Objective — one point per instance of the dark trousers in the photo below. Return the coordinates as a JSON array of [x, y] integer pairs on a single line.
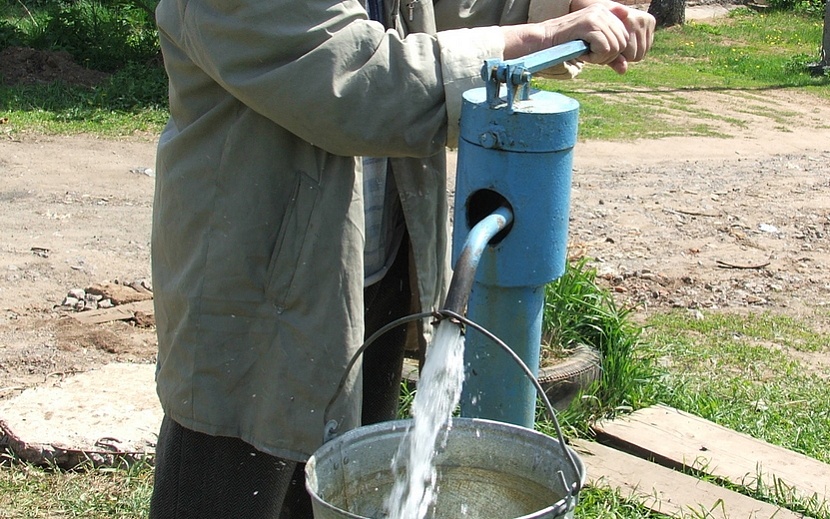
[[200, 476]]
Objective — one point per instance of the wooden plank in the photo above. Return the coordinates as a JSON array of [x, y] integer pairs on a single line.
[[667, 491], [677, 439], [116, 313]]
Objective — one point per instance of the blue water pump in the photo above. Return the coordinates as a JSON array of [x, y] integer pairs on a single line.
[[515, 159]]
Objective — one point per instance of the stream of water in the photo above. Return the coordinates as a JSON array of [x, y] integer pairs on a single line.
[[439, 390]]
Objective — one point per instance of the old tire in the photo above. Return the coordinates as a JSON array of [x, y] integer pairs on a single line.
[[564, 380], [561, 381]]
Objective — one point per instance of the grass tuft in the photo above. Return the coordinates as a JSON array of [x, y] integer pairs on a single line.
[[578, 311], [32, 492], [598, 502]]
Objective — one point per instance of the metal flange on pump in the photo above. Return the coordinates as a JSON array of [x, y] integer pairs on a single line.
[[514, 157]]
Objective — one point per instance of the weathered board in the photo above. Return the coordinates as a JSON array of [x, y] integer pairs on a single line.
[[668, 491], [677, 439], [116, 313]]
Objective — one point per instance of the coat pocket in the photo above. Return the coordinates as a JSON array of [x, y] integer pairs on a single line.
[[292, 237]]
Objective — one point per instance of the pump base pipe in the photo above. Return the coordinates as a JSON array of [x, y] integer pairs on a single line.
[[496, 387]]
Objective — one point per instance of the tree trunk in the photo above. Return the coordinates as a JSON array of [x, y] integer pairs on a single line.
[[668, 12], [825, 41], [823, 66]]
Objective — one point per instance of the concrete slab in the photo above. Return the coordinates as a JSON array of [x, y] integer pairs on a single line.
[[105, 416]]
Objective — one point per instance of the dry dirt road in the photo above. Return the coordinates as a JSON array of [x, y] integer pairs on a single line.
[[739, 223]]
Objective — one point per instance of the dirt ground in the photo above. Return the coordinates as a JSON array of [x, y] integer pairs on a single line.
[[729, 223], [714, 223], [72, 214], [736, 223]]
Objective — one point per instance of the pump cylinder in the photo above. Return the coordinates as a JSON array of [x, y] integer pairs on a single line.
[[520, 157]]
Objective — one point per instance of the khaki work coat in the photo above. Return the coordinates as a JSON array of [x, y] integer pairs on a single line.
[[257, 247]]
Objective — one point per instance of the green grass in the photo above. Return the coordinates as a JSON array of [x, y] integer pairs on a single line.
[[133, 100], [94, 493], [576, 312], [117, 37], [750, 373], [753, 373], [746, 51], [604, 503]]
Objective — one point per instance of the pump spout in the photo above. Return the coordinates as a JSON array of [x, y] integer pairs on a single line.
[[465, 267]]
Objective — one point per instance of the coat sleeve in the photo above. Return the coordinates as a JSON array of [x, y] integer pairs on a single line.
[[451, 14], [326, 73]]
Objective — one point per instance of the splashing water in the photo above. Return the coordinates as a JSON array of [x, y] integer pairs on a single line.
[[439, 390]]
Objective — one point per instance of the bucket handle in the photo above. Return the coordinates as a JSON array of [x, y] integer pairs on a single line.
[[330, 430]]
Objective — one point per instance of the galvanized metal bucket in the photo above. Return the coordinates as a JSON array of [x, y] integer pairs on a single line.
[[486, 470]]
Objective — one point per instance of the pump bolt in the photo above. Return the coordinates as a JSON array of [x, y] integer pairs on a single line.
[[494, 137], [488, 140]]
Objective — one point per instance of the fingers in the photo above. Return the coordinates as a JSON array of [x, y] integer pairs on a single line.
[[619, 65], [610, 36], [640, 26], [600, 27], [616, 35]]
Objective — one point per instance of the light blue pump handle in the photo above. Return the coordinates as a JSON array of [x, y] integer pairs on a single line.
[[550, 57]]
